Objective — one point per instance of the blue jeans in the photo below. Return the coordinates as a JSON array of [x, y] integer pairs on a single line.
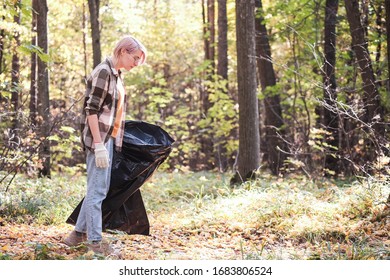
[[98, 183]]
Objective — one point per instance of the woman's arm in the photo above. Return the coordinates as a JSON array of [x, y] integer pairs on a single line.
[[94, 127]]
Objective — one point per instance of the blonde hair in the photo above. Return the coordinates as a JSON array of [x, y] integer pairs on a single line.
[[130, 44]]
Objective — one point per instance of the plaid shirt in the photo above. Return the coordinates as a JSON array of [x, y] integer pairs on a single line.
[[101, 98]]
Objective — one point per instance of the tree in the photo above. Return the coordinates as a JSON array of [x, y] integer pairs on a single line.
[[15, 100], [273, 119], [222, 70], [43, 105], [249, 139], [371, 98], [33, 66], [2, 35], [330, 119], [209, 50], [94, 6], [387, 7]]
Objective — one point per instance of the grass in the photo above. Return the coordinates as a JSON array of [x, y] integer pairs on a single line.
[[270, 218]]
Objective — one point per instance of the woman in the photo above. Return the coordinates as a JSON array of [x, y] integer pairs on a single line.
[[102, 128]]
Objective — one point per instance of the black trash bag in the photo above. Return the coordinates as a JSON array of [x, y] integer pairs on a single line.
[[145, 147]]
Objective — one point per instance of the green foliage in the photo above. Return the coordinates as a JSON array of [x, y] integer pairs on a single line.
[[221, 118], [64, 146], [168, 90], [5, 257], [41, 201]]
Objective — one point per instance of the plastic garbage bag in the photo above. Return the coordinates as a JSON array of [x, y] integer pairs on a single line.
[[145, 147]]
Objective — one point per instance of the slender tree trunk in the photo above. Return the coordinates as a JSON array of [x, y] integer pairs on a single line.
[[249, 139], [209, 48], [211, 22], [94, 6], [222, 68], [360, 47], [222, 73], [387, 7], [33, 75], [211, 57], [206, 44], [43, 104], [84, 19], [387, 11], [330, 119], [2, 35], [2, 48], [273, 111], [379, 29], [15, 100]]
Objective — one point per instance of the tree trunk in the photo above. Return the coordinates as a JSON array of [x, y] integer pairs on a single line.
[[273, 120], [387, 7], [94, 6], [15, 100], [222, 68], [43, 105], [371, 97], [209, 48], [2, 34], [211, 24], [2, 48], [330, 119], [33, 75], [249, 139], [84, 19], [222, 72]]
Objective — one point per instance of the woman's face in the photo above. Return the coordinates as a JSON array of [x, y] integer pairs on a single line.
[[130, 60]]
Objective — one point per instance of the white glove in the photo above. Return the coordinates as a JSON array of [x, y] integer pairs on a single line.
[[101, 155]]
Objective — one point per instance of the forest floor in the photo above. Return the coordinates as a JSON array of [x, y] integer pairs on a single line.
[[167, 243], [273, 220]]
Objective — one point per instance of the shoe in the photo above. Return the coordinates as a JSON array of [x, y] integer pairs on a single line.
[[102, 248], [75, 238]]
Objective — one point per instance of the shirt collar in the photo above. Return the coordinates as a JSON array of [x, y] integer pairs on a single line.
[[117, 73]]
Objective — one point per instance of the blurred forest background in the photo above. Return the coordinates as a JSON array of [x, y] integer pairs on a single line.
[[292, 93], [320, 67]]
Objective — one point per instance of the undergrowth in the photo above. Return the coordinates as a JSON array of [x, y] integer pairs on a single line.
[[275, 218]]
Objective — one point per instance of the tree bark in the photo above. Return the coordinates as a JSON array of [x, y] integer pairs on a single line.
[[273, 120], [43, 105], [15, 100], [222, 73], [222, 68], [94, 6], [249, 139], [387, 7], [206, 139], [371, 96], [2, 34], [33, 75], [211, 22], [84, 20], [330, 119]]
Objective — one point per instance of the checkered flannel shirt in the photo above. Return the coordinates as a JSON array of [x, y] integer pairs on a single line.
[[101, 98]]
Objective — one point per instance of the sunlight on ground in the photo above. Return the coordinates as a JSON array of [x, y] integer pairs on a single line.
[[199, 216]]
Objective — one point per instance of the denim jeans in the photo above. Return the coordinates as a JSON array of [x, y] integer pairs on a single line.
[[98, 183]]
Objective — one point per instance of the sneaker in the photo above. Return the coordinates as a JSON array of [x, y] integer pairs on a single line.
[[102, 248], [75, 238]]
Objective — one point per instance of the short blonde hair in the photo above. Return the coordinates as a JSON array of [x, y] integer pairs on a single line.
[[130, 44]]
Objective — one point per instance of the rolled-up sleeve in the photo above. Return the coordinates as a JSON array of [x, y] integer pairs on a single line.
[[98, 85]]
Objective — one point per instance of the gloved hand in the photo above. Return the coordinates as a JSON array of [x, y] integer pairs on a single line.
[[101, 155]]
